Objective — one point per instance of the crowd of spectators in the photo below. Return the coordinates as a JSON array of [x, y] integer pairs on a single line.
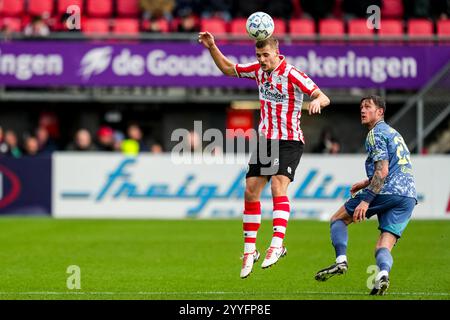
[[185, 15], [105, 139], [287, 9]]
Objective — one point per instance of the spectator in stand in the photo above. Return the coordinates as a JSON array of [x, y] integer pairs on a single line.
[[194, 142], [134, 143], [156, 148], [188, 22], [335, 147], [31, 146], [82, 141], [326, 141], [317, 9], [217, 9], [46, 144], [156, 9], [119, 137], [152, 25], [3, 145], [13, 145], [66, 25], [37, 28], [6, 29], [105, 139], [134, 132]]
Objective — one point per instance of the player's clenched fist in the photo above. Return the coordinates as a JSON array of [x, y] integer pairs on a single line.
[[206, 39]]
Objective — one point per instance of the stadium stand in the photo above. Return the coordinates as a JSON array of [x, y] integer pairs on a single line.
[[96, 26], [64, 4], [358, 27], [280, 27], [237, 26], [128, 8], [100, 8], [12, 8], [124, 26], [392, 9], [302, 27], [443, 30], [16, 14], [40, 7], [390, 28], [215, 25], [420, 28], [11, 24], [331, 27]]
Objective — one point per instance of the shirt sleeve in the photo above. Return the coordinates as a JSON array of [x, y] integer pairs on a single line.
[[248, 70], [303, 82], [378, 149]]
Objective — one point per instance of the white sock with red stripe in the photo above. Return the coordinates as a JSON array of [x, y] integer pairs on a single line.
[[281, 210], [252, 221]]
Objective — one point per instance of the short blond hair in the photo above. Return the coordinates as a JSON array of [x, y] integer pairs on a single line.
[[271, 41]]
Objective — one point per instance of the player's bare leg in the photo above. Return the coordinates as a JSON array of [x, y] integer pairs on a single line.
[[383, 256], [281, 211], [338, 229], [251, 222]]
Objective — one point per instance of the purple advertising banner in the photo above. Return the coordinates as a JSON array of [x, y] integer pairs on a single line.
[[40, 64], [25, 185]]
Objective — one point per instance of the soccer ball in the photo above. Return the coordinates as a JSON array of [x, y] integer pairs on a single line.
[[260, 26]]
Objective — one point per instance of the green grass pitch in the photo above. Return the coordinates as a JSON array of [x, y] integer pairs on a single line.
[[199, 259]]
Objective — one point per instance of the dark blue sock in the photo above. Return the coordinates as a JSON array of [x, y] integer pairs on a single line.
[[339, 236], [384, 259]]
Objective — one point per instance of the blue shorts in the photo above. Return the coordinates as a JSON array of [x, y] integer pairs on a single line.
[[394, 212]]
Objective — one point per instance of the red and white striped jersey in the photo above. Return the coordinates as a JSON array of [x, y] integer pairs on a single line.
[[281, 96]]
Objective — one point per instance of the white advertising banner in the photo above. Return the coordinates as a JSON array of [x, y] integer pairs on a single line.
[[100, 185]]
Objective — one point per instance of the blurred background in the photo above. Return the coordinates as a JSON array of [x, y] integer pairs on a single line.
[[119, 76]]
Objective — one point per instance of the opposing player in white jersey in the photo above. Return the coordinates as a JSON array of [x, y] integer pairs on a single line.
[[280, 146]]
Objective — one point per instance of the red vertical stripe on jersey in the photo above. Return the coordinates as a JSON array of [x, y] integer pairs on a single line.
[[269, 117], [279, 108], [291, 106], [263, 116]]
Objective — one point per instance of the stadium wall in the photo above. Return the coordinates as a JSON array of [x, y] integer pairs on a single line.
[[101, 185], [62, 63], [169, 187]]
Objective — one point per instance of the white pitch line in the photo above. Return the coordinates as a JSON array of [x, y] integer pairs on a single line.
[[223, 293]]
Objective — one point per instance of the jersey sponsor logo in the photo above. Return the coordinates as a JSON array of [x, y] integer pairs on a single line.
[[271, 94]]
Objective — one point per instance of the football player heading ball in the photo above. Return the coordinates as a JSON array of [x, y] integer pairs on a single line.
[[281, 88]]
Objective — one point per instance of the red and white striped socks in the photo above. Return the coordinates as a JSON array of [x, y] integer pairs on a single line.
[[252, 221], [281, 210]]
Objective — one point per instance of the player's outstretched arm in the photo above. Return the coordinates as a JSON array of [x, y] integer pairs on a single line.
[[222, 62], [319, 101]]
